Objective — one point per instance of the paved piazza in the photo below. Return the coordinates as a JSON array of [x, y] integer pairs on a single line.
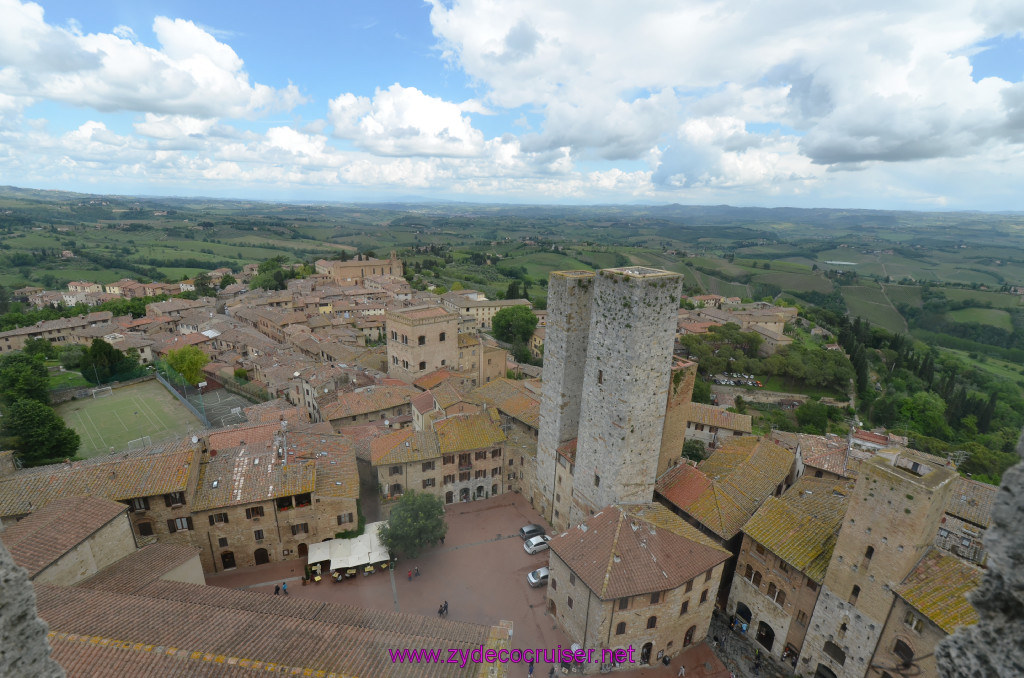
[[480, 570]]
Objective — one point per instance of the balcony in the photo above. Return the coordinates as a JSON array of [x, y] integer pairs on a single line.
[[466, 467]]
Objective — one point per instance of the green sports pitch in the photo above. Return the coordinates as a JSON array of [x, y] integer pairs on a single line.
[[125, 416]]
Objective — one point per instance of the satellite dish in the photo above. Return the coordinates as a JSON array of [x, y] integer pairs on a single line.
[[195, 439], [295, 374], [387, 422]]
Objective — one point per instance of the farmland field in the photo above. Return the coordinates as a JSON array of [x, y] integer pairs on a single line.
[[904, 294], [797, 282], [871, 304], [985, 316], [995, 299]]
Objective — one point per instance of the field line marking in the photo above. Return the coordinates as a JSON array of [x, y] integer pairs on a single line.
[[120, 421], [146, 410], [85, 429], [97, 429]]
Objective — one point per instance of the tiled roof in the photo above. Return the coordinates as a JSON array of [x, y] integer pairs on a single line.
[[709, 415], [203, 631], [801, 526], [467, 432], [568, 450], [938, 588], [446, 395], [513, 398], [140, 568], [404, 446], [370, 399], [432, 379], [335, 457], [424, 402], [38, 540], [273, 411], [241, 435], [421, 313], [248, 474], [725, 489], [631, 550], [123, 476], [972, 501]]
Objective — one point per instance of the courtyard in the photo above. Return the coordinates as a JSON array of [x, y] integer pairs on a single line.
[[480, 570]]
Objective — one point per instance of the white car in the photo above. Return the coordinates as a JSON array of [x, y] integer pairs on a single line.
[[538, 577], [536, 544]]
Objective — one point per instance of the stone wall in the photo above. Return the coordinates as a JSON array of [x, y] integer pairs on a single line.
[[565, 352], [107, 545], [625, 387], [673, 435], [993, 646], [922, 642], [24, 650]]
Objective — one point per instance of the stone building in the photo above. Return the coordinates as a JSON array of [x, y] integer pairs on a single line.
[[603, 393], [478, 308], [782, 561], [968, 515], [633, 577], [353, 271], [420, 340], [674, 433], [384, 402], [893, 515], [711, 425], [930, 604], [456, 458], [518, 403]]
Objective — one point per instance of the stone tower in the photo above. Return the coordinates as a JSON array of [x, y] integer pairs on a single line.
[[626, 382], [673, 435], [892, 519], [565, 352]]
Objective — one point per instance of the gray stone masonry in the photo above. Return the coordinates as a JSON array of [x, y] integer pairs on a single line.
[[24, 650], [565, 352], [625, 387]]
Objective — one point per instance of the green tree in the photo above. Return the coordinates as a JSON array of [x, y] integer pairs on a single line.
[[416, 521], [701, 392], [228, 279], [23, 377], [514, 324], [71, 356], [812, 417], [925, 413], [39, 347], [41, 436], [189, 362], [694, 449], [102, 361], [204, 286]]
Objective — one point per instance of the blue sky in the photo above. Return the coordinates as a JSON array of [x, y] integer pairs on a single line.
[[853, 104]]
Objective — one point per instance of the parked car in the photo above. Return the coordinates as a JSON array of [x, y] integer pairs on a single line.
[[532, 530], [536, 544], [538, 577]]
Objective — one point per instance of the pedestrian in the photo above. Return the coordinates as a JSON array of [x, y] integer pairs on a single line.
[[284, 587], [440, 610], [442, 540], [277, 590], [410, 575], [446, 607], [417, 568], [682, 671], [551, 673], [530, 671]]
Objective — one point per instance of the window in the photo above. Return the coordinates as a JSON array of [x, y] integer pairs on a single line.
[[301, 528], [703, 596], [652, 622], [422, 340], [423, 365], [449, 479], [904, 652], [495, 454], [428, 466], [783, 566], [554, 584], [620, 628], [449, 459], [623, 603], [911, 620], [685, 608], [772, 590], [756, 579], [222, 542], [345, 518], [464, 476], [801, 618], [395, 471], [597, 480], [175, 524], [600, 376], [572, 579], [140, 504], [854, 594], [394, 335], [441, 337], [689, 586], [812, 585], [655, 597], [869, 553], [482, 473], [688, 638], [781, 598], [835, 652], [481, 454], [428, 482], [759, 548], [216, 518], [174, 498], [145, 529], [253, 512], [569, 599], [707, 575]]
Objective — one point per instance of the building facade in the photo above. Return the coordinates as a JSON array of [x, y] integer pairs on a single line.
[[420, 340]]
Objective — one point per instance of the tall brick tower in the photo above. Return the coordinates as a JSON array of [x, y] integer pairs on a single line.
[[626, 382], [565, 353], [892, 519]]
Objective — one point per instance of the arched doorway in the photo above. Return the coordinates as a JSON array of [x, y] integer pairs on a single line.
[[479, 491], [824, 672], [494, 490], [645, 653], [552, 608], [396, 489], [228, 559], [688, 638], [765, 636], [261, 556], [743, 612], [449, 497], [303, 550], [464, 494]]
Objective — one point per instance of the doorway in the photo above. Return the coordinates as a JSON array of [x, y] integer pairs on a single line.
[[303, 550], [261, 556], [228, 559], [645, 653]]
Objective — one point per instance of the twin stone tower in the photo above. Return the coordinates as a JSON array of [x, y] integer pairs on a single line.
[[609, 378]]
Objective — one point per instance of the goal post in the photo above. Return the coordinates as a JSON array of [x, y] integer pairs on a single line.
[[102, 392], [139, 443]]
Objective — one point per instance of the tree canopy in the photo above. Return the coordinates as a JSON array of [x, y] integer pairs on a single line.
[[189, 362], [22, 376], [41, 436], [514, 324], [102, 362], [416, 521]]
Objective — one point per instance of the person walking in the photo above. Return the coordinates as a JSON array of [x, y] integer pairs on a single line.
[[442, 540], [445, 608], [529, 672], [284, 588], [410, 575], [440, 610], [277, 589], [682, 671], [417, 568]]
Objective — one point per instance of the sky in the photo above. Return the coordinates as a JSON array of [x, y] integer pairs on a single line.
[[857, 104]]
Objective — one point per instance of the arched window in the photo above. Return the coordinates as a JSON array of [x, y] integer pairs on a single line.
[[749, 574], [854, 594], [771, 590], [904, 652], [688, 638], [652, 622], [620, 628], [781, 598], [869, 553], [756, 581]]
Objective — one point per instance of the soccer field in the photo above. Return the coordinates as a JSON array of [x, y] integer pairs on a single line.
[[131, 412]]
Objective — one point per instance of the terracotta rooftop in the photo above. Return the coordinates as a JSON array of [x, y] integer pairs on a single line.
[[248, 474], [938, 588], [801, 526], [513, 398], [422, 313], [709, 415], [467, 432], [240, 435], [568, 450], [404, 446], [725, 489], [368, 400], [424, 402], [335, 462], [41, 538], [972, 501], [432, 379], [198, 631], [140, 568], [631, 550]]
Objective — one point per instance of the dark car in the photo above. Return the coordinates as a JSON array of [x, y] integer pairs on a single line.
[[527, 531]]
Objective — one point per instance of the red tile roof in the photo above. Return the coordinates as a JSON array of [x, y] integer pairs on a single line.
[[141, 568]]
